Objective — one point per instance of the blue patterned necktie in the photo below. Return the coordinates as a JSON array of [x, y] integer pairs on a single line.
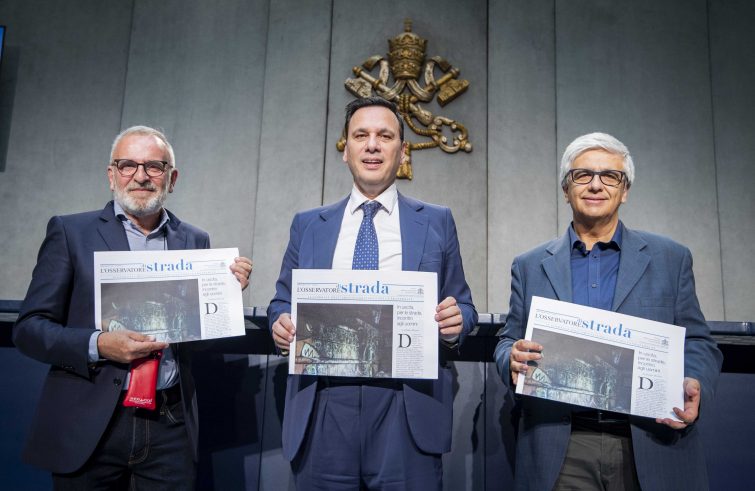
[[366, 249]]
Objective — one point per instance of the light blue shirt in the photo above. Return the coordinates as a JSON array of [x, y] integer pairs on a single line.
[[167, 375]]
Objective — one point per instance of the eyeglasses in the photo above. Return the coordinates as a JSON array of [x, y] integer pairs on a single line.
[[153, 168], [611, 178]]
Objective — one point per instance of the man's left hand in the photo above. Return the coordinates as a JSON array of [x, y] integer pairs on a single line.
[[691, 406], [448, 317], [241, 269]]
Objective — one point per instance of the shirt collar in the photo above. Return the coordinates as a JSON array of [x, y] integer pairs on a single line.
[[387, 199], [121, 215], [615, 240]]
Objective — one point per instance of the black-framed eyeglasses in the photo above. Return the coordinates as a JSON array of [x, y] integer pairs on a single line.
[[153, 168], [612, 178]]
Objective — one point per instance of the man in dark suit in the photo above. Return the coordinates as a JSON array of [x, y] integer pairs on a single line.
[[375, 434], [81, 432], [602, 263]]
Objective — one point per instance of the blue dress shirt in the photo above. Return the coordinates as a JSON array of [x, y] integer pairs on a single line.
[[594, 272]]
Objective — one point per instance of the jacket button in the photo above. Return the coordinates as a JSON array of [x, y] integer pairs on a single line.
[[117, 381], [566, 420]]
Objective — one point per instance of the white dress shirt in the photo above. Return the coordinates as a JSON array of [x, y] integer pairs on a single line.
[[387, 228]]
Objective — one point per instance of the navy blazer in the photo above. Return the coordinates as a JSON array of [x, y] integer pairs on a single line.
[[655, 281], [54, 325], [428, 243]]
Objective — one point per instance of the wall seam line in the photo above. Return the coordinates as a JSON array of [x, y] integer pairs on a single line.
[[715, 158], [256, 198], [327, 106], [128, 63]]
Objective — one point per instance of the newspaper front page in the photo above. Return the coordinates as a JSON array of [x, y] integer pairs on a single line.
[[175, 296], [378, 324], [604, 360]]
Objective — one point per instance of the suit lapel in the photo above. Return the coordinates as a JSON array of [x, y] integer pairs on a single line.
[[325, 235], [175, 235], [632, 265], [413, 232], [557, 268], [111, 230]]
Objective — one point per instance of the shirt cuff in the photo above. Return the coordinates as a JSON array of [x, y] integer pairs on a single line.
[[450, 339], [94, 353]]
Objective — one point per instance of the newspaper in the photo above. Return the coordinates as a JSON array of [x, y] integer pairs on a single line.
[[175, 296], [604, 360], [378, 324]]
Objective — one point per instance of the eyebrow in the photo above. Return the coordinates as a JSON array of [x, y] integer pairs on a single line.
[[379, 131]]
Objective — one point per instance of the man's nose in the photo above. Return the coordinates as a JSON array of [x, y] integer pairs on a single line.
[[141, 173], [596, 184], [373, 143]]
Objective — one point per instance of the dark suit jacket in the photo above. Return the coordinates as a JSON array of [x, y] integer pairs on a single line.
[[429, 243], [54, 326], [654, 282]]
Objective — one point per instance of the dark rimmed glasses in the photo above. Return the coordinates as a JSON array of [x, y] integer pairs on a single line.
[[153, 168], [612, 178]]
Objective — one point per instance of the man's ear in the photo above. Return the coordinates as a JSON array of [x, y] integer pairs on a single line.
[[173, 179], [111, 177]]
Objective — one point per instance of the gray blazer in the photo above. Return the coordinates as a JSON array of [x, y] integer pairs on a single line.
[[655, 281]]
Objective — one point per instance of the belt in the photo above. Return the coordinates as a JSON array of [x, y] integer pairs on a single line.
[[387, 383], [601, 421]]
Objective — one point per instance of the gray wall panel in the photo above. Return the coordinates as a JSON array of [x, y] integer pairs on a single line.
[[640, 72], [66, 110], [499, 432], [459, 180], [521, 136], [733, 79], [464, 466], [275, 472], [293, 131], [197, 70]]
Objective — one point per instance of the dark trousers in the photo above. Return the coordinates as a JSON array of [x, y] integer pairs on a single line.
[[600, 461], [140, 450], [359, 439]]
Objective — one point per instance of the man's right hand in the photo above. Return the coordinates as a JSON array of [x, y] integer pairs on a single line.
[[126, 346], [283, 332], [522, 351]]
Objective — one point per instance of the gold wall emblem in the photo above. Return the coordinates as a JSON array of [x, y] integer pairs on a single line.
[[404, 64]]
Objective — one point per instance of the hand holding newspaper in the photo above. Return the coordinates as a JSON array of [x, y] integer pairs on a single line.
[[361, 323], [175, 296], [604, 360]]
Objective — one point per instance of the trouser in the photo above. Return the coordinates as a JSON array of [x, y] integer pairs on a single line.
[[358, 439], [140, 450], [599, 457]]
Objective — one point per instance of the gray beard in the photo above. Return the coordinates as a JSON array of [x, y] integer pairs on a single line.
[[136, 208]]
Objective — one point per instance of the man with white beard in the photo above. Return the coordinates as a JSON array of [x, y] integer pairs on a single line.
[[82, 431]]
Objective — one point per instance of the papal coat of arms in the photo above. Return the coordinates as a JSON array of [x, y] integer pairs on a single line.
[[404, 64]]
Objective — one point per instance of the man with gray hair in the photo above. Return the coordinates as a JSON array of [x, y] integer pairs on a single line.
[[83, 432], [601, 263]]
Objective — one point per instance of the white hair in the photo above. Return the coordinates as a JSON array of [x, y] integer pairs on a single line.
[[145, 131], [595, 141]]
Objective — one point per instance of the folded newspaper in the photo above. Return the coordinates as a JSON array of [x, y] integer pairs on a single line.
[[175, 296], [604, 360], [378, 324]]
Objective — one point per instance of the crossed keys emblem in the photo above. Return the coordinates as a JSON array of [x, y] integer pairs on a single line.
[[405, 62]]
